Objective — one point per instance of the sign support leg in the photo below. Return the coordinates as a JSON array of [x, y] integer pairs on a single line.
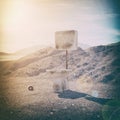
[[66, 59]]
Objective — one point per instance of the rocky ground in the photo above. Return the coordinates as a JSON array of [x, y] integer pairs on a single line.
[[93, 92]]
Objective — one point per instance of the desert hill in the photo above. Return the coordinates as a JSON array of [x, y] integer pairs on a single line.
[[94, 83], [101, 63]]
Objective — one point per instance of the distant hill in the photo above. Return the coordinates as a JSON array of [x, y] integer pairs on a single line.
[[3, 53], [5, 56], [20, 53], [84, 46]]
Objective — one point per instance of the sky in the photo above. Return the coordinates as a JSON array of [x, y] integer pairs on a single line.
[[26, 23]]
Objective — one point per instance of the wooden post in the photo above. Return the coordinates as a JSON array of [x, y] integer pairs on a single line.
[[66, 59]]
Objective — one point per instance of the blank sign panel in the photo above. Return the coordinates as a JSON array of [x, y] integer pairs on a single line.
[[66, 40]]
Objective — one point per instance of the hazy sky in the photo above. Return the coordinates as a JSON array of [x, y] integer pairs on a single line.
[[25, 23]]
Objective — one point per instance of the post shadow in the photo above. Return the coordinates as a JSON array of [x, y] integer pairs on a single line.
[[101, 101], [69, 94]]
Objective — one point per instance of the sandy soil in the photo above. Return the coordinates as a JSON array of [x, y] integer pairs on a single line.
[[82, 101]]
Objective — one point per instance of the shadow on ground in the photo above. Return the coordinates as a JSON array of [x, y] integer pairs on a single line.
[[37, 112], [69, 94]]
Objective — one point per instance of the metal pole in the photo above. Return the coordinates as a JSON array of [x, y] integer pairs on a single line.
[[66, 59]]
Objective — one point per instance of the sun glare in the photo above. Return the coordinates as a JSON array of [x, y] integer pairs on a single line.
[[20, 27], [31, 22]]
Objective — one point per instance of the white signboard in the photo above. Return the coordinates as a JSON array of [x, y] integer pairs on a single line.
[[66, 40]]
